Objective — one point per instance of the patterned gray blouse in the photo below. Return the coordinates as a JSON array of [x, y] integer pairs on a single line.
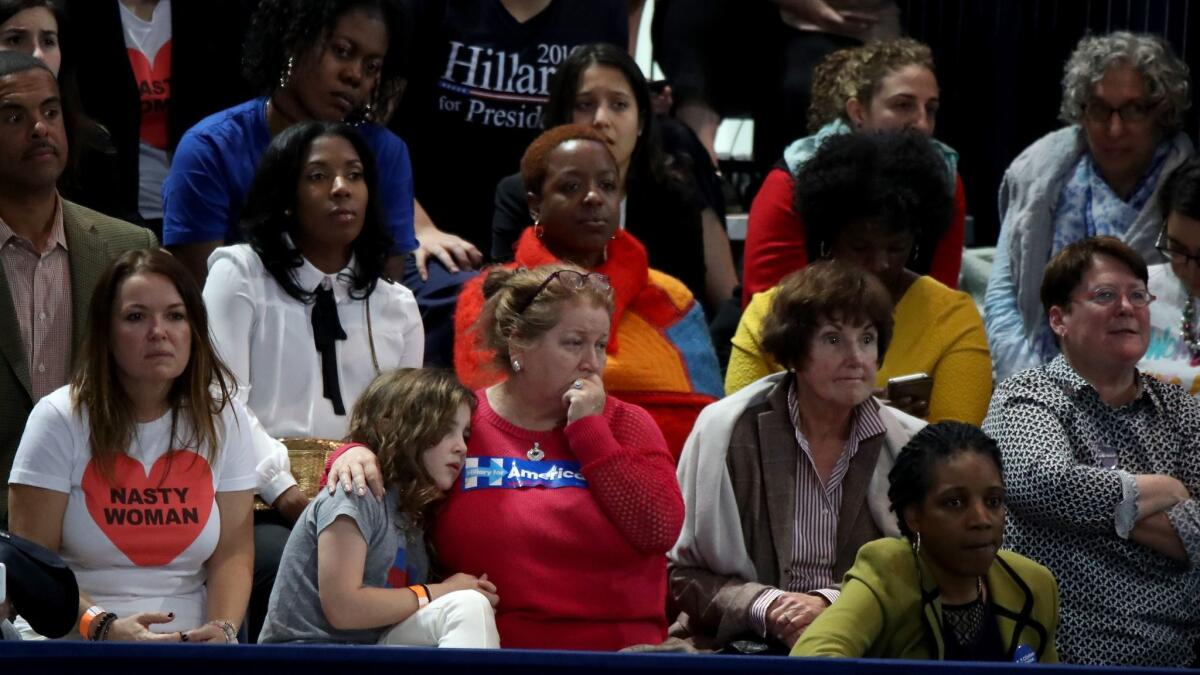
[[1068, 461]]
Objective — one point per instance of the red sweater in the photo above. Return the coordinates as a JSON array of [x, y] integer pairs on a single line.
[[775, 245], [575, 567]]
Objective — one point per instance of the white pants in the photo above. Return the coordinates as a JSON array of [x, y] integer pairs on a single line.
[[463, 619]]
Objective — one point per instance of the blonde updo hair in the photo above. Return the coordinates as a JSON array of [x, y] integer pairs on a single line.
[[512, 315], [858, 72]]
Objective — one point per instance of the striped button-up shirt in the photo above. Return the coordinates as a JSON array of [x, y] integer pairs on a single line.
[[818, 505], [40, 285]]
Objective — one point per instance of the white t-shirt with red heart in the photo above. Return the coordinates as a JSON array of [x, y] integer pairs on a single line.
[[140, 543]]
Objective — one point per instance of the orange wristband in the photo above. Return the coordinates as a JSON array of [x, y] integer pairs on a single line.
[[422, 593], [85, 621]]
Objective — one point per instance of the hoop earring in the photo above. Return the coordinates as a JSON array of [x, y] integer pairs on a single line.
[[538, 230], [916, 545], [915, 252], [824, 251], [286, 75]]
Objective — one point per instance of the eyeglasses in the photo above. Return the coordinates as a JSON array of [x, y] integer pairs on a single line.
[[572, 281], [1105, 297], [1174, 255], [1134, 111]]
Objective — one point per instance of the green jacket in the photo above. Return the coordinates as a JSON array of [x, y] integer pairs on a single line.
[[93, 239], [889, 608]]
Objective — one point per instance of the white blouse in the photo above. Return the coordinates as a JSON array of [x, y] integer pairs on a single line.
[[265, 337]]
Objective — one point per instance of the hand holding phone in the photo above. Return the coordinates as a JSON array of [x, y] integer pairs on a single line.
[[910, 393]]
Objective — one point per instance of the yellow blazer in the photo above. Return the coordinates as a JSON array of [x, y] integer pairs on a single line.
[[889, 608]]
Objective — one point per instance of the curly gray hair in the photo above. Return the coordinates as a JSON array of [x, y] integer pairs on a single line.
[[1165, 75]]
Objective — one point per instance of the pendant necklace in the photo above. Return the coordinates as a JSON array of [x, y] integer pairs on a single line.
[[1188, 331], [535, 454]]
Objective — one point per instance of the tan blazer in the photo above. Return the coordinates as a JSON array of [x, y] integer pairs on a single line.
[[762, 468], [93, 239]]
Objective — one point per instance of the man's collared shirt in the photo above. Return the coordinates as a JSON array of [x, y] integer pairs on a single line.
[[40, 285]]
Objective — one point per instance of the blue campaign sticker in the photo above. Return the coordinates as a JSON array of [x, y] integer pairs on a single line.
[[1024, 654], [513, 473]]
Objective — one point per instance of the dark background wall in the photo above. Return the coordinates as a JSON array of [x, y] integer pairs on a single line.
[[1000, 65]]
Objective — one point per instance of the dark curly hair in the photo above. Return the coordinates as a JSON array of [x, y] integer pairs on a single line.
[[912, 475], [400, 415], [270, 209], [895, 179], [1181, 193], [283, 28]]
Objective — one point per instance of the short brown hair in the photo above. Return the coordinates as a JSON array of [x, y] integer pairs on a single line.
[[400, 415], [196, 397], [825, 290], [1065, 271], [533, 162], [514, 310]]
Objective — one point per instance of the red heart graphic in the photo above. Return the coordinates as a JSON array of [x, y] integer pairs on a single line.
[[154, 88], [154, 518]]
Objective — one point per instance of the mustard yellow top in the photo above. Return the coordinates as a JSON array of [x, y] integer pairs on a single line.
[[938, 331]]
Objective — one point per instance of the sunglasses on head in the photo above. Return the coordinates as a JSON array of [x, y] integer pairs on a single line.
[[572, 281]]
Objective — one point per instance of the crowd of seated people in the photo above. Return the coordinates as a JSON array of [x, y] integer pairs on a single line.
[[525, 437]]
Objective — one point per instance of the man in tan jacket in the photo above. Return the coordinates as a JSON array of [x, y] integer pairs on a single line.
[[52, 251]]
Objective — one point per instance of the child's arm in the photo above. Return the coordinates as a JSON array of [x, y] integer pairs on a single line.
[[348, 605]]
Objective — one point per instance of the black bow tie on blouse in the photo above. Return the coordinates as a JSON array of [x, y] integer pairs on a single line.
[[326, 329]]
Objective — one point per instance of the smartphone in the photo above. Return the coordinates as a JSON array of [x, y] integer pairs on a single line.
[[916, 385]]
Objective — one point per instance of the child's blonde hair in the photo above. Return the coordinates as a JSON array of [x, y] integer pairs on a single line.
[[402, 414]]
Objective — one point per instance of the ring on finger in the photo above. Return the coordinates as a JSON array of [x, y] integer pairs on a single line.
[[577, 384]]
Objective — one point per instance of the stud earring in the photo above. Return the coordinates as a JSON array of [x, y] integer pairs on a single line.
[[516, 366]]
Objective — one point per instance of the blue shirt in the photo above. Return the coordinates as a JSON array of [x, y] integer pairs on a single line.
[[214, 167]]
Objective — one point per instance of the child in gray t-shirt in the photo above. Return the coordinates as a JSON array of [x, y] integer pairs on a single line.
[[355, 569]]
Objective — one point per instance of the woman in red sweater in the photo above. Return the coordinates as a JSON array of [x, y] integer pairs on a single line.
[[568, 497], [883, 86]]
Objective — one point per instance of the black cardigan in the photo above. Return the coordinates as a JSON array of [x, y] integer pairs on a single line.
[[206, 55]]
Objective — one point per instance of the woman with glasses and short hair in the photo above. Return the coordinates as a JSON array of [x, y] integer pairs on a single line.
[[1124, 98], [1174, 353], [1102, 463], [660, 356]]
